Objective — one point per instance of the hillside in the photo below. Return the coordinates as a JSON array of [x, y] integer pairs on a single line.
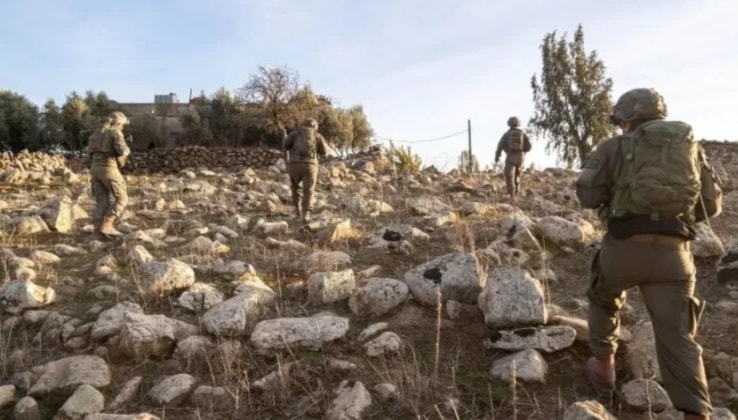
[[411, 296]]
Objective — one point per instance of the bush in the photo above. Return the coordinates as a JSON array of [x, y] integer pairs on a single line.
[[403, 159]]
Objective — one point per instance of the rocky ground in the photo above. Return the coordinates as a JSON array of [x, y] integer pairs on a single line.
[[413, 296]]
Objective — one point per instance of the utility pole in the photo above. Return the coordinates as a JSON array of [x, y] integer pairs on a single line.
[[468, 131]]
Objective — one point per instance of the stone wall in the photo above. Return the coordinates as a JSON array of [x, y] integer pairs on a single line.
[[723, 156], [173, 160]]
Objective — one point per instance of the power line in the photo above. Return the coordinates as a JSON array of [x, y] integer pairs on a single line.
[[424, 140]]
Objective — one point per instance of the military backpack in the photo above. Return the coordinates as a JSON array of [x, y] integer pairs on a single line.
[[304, 146], [660, 172], [516, 141]]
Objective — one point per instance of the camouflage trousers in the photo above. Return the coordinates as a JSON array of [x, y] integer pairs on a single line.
[[110, 192], [663, 269], [512, 178], [303, 177]]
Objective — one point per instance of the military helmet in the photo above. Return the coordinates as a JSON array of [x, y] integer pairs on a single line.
[[310, 122], [639, 104], [513, 122], [118, 117]]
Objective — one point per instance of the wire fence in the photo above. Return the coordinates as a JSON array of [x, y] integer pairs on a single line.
[[444, 160], [431, 140]]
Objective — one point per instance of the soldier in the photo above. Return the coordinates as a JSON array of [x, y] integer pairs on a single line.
[[651, 185], [515, 143], [108, 151], [302, 148]]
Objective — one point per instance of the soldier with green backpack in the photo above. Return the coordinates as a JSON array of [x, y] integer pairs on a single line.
[[651, 184], [515, 143], [302, 148]]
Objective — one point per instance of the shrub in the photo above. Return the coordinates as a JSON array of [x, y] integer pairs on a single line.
[[403, 159]]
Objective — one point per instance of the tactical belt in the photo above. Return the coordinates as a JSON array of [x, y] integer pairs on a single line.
[[661, 240]]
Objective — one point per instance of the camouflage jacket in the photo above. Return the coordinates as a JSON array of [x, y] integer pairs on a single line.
[[107, 147]]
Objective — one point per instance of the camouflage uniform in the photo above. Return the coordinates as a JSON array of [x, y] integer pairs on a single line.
[[514, 159], [303, 168], [651, 254], [108, 151]]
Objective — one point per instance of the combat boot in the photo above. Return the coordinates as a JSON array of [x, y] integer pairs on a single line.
[[96, 234], [107, 228], [306, 217], [600, 372]]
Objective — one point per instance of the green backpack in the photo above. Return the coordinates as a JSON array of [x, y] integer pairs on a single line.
[[659, 173], [304, 146], [516, 141]]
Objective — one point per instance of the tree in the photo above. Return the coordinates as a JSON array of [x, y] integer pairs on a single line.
[[98, 103], [147, 131], [51, 124], [274, 89], [18, 122], [346, 130], [196, 124], [336, 127], [226, 119], [220, 120], [571, 98], [463, 165], [362, 130], [77, 121]]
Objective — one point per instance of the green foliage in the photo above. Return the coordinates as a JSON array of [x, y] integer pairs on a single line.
[[51, 126], [98, 103], [261, 112], [18, 122], [403, 159], [346, 130], [336, 126], [572, 98], [77, 121], [463, 165], [197, 126], [147, 131], [361, 129], [81, 115]]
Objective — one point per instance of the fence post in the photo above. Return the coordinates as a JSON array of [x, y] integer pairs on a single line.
[[471, 159]]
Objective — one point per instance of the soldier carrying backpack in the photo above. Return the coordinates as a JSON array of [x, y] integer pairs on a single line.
[[515, 143], [302, 147], [107, 151], [651, 184]]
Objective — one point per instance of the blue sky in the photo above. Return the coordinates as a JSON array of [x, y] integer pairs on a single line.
[[420, 68]]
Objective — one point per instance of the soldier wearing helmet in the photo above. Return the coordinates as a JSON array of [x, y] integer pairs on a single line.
[[647, 245], [515, 143], [302, 148], [108, 152]]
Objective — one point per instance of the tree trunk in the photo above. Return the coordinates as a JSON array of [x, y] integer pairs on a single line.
[[583, 151]]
